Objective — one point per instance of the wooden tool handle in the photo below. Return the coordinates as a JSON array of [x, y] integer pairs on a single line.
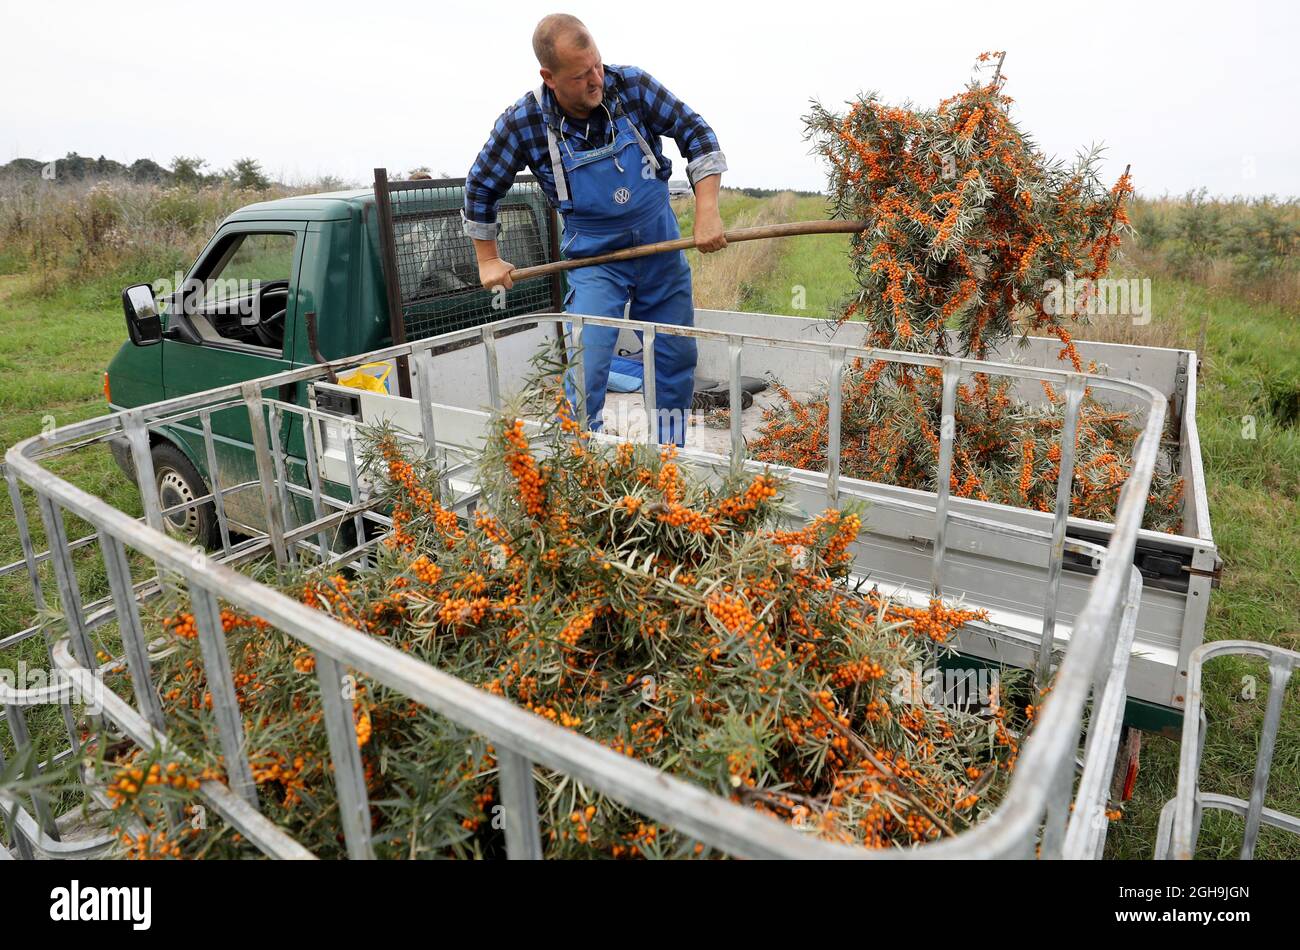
[[644, 250]]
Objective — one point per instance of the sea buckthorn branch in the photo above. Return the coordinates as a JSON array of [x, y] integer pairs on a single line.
[[968, 224], [686, 624]]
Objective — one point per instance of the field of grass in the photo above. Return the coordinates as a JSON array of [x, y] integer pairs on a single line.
[[52, 362], [57, 336]]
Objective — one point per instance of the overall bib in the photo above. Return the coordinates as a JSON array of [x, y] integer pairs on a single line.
[[608, 202]]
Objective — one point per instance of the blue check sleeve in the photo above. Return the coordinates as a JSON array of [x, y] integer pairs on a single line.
[[665, 114], [491, 175]]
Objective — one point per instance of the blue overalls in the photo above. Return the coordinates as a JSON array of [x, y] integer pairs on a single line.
[[610, 198]]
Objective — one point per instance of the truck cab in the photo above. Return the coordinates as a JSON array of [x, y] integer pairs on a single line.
[[289, 282]]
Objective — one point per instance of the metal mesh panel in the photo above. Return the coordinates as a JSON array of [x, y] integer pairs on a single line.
[[437, 272]]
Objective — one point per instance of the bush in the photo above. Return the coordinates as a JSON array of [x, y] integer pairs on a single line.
[[76, 229], [1244, 245]]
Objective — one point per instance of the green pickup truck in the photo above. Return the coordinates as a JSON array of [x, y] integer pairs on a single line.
[[282, 284]]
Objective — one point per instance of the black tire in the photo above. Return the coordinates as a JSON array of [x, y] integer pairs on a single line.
[[178, 481]]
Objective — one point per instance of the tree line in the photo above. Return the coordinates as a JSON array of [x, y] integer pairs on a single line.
[[184, 170]]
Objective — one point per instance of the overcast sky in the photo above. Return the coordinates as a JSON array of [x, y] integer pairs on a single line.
[[1190, 93]]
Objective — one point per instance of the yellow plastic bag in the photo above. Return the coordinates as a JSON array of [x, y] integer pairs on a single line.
[[372, 377]]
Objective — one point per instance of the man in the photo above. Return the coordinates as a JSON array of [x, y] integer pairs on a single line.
[[591, 135]]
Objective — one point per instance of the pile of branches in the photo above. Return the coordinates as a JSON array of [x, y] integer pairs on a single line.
[[1004, 450], [971, 230], [607, 590]]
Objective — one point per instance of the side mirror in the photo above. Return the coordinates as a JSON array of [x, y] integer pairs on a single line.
[[143, 324]]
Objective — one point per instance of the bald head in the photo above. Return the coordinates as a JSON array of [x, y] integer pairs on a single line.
[[559, 31]]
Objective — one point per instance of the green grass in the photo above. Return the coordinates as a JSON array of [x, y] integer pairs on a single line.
[[1254, 493], [812, 277], [52, 359]]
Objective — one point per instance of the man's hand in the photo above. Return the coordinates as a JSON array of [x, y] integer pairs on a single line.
[[709, 235], [496, 273]]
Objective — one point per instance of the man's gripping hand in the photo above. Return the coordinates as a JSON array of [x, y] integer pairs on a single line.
[[708, 232], [496, 273]]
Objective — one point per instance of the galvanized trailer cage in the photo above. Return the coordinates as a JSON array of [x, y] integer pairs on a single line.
[[1046, 811], [1180, 819]]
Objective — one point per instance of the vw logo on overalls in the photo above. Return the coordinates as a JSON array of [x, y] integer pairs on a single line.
[[622, 196]]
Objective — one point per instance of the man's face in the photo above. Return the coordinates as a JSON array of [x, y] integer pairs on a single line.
[[579, 80]]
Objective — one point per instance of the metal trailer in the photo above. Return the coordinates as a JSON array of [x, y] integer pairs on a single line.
[[1180, 819], [1086, 622], [998, 572]]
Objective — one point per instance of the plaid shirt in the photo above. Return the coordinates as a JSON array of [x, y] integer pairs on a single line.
[[519, 139]]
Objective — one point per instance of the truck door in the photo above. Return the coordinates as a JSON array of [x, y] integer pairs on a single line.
[[240, 315]]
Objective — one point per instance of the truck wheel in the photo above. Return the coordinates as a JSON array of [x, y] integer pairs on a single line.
[[178, 482]]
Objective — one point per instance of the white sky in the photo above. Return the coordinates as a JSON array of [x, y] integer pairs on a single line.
[[1190, 93]]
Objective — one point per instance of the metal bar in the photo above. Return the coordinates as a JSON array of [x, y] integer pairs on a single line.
[[128, 622], [392, 286], [422, 184], [214, 478], [309, 424], [96, 612], [553, 245], [423, 359], [1056, 555], [835, 380], [424, 371], [1058, 810], [23, 743], [25, 538], [1181, 820], [519, 798], [354, 485], [650, 390], [266, 476], [281, 478], [13, 833], [137, 434], [177, 407], [947, 433], [1279, 676], [734, 400], [1085, 837], [319, 525], [221, 686], [65, 574], [349, 773], [577, 368], [493, 376]]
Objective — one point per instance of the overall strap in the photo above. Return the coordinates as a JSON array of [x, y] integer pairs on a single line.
[[645, 148], [557, 166], [621, 110]]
